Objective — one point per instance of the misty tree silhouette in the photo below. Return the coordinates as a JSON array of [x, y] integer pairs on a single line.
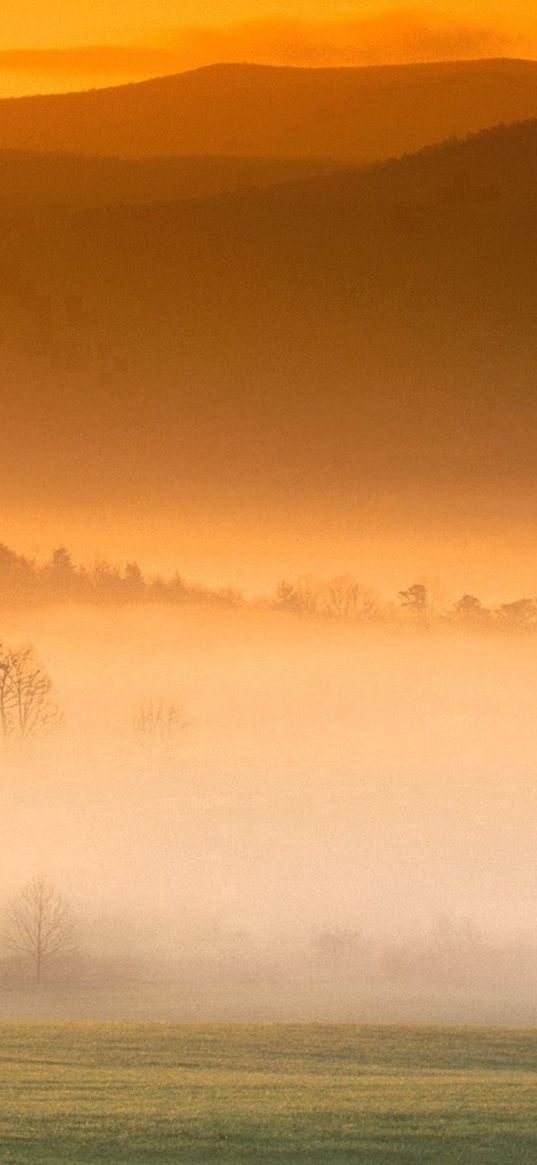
[[39, 927], [28, 707]]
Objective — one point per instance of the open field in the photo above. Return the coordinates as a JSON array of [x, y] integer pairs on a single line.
[[162, 1093]]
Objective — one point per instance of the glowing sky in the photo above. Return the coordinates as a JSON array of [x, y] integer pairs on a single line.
[[52, 44]]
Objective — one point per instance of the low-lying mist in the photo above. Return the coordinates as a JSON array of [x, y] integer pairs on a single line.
[[336, 807]]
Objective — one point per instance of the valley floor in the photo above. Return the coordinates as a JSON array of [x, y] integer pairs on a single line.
[[157, 1094]]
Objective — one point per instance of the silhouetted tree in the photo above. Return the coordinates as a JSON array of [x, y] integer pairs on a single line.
[[39, 927], [520, 614], [416, 600], [470, 610], [158, 722], [28, 708], [107, 582], [134, 581], [344, 598], [288, 598], [62, 564], [18, 578], [61, 580]]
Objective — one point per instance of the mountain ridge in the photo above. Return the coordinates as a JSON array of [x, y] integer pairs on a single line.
[[350, 115]]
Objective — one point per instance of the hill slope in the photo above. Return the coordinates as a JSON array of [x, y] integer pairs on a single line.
[[329, 338], [350, 115], [31, 179]]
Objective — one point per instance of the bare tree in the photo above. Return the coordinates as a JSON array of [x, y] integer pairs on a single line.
[[158, 722], [39, 927], [28, 707], [344, 598]]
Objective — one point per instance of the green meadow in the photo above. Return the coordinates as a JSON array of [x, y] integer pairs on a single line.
[[318, 1094]]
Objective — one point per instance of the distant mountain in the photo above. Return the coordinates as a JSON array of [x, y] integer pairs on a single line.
[[353, 115], [328, 338], [32, 179]]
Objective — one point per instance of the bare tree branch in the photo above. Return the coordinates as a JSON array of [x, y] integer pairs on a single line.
[[158, 722], [28, 708]]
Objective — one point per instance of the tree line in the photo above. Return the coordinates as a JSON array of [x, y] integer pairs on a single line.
[[23, 582], [344, 599], [39, 945], [26, 583]]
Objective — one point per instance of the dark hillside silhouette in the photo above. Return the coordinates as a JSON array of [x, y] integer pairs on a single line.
[[353, 115], [479, 168], [314, 340]]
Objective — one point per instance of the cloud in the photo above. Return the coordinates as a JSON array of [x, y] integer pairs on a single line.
[[389, 38], [99, 60], [410, 35]]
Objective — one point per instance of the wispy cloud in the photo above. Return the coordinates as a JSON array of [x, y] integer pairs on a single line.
[[408, 35], [394, 37], [101, 60]]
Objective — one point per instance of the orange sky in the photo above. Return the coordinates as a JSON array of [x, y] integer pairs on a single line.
[[47, 44]]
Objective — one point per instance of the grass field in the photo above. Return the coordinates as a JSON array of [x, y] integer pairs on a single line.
[[163, 1093]]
